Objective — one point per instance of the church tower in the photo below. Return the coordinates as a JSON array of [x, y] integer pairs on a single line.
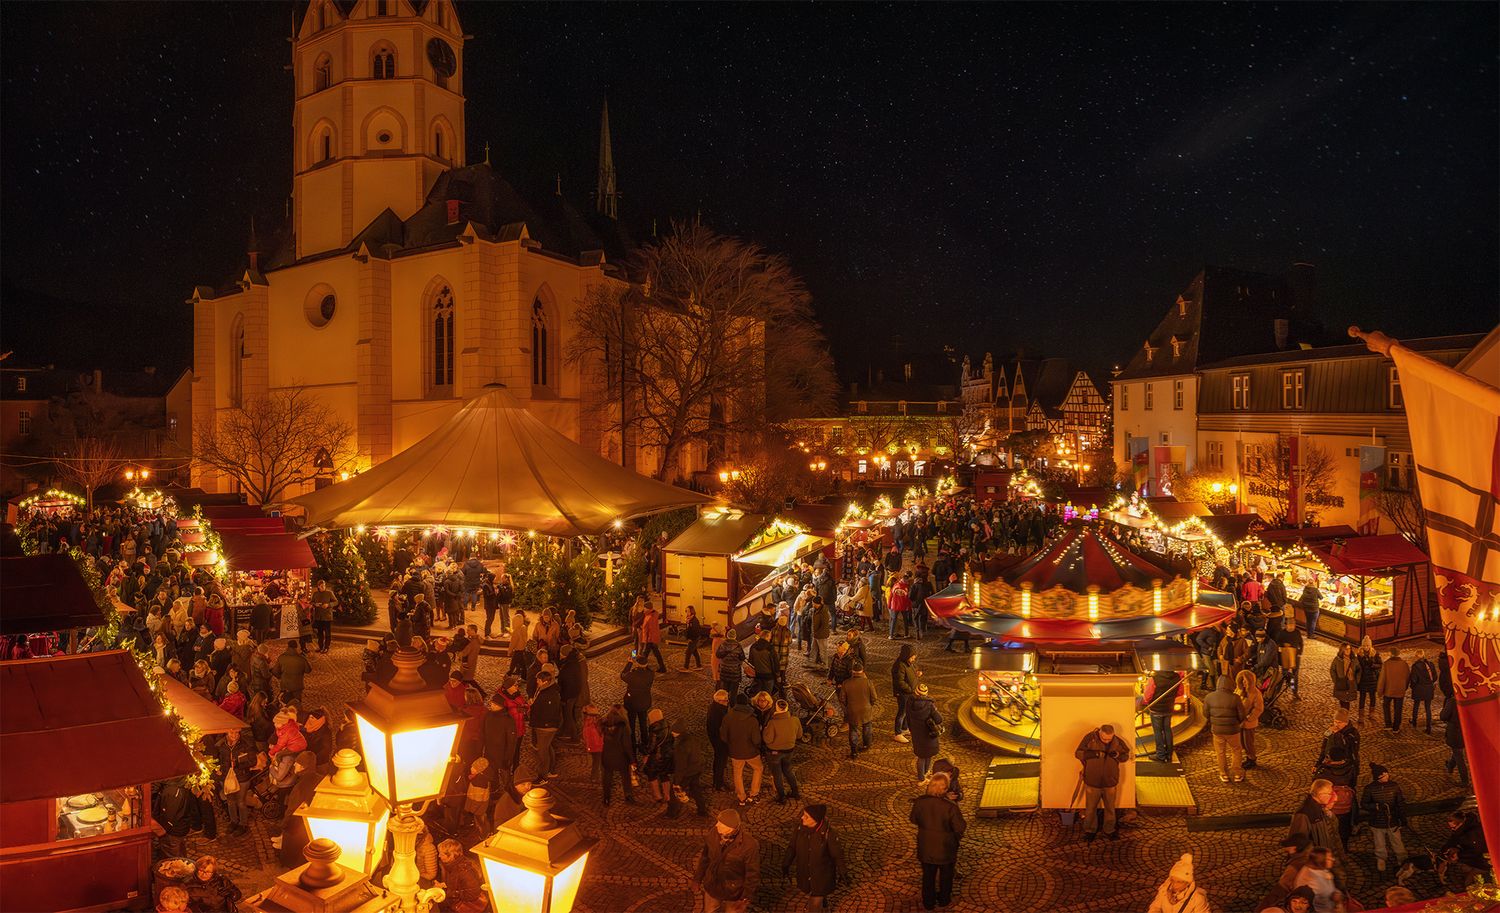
[[379, 114]]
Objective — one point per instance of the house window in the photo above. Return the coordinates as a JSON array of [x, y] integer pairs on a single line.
[[1393, 397], [1399, 474], [1166, 438], [1177, 386], [942, 405], [864, 467], [384, 64], [1214, 455], [442, 340], [327, 147], [1150, 396], [172, 428], [1240, 384], [1292, 385], [23, 422], [539, 367], [21, 384], [322, 73], [1254, 455], [1124, 397], [437, 143]]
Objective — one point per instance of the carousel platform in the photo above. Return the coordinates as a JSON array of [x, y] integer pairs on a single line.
[[1021, 739]]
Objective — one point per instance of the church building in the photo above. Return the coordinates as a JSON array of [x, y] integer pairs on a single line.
[[407, 278]]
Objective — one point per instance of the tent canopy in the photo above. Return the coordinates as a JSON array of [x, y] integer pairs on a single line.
[[75, 724], [1362, 556], [494, 465], [45, 593]]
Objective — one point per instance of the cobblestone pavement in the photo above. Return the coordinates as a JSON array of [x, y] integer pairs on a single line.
[[1016, 863]]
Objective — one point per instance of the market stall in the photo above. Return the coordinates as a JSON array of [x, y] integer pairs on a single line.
[[44, 601], [1184, 533], [1371, 585], [271, 566], [82, 738], [724, 563]]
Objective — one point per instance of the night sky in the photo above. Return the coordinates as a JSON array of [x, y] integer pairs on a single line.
[[986, 176]]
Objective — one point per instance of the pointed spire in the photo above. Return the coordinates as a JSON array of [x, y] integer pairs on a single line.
[[486, 153], [606, 195], [559, 184]]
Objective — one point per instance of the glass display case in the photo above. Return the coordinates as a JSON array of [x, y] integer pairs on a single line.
[[92, 814]]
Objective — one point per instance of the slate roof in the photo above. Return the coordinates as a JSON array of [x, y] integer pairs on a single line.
[[1463, 342]]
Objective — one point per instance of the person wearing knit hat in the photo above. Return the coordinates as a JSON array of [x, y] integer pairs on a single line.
[[1180, 893], [818, 855], [1384, 809], [294, 835], [728, 869]]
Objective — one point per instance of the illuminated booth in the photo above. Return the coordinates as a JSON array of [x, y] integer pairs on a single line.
[[1082, 605], [725, 563]]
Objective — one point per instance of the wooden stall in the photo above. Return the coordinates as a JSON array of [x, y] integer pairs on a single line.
[[715, 563], [1378, 586], [82, 737]]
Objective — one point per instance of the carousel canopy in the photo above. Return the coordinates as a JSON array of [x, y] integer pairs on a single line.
[[1085, 557], [494, 465]]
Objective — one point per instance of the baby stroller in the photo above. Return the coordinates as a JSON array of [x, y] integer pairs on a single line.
[[818, 716], [1273, 689], [271, 784]]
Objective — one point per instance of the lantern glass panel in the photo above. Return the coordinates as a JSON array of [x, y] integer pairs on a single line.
[[565, 885], [354, 840], [421, 758], [373, 748], [513, 888]]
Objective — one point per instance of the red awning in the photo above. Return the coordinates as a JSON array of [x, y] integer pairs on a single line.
[[45, 593], [273, 552], [82, 723], [1366, 555], [216, 512]]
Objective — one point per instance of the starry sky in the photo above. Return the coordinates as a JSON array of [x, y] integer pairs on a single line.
[[1042, 177]]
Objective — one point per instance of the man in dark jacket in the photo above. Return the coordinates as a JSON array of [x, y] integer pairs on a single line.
[[1102, 753], [546, 717], [940, 826], [818, 855], [1384, 808], [174, 812], [570, 682], [1206, 642], [618, 754], [1225, 716], [731, 662], [498, 733], [741, 734], [638, 678], [715, 719], [687, 769], [1423, 681], [762, 658], [728, 868]]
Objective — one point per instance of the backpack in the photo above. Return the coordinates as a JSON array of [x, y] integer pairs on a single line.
[[1343, 800]]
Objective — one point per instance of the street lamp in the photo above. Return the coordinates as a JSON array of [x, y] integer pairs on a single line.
[[345, 810], [535, 860], [322, 886], [407, 730]]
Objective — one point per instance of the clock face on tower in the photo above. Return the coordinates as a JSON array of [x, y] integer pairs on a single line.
[[441, 55]]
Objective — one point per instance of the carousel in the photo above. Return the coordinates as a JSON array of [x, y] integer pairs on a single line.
[[1082, 605]]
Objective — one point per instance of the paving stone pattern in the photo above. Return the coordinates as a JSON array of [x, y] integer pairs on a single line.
[[1032, 862]]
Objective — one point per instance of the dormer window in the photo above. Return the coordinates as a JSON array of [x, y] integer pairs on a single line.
[[1150, 352], [1176, 347], [1182, 306]]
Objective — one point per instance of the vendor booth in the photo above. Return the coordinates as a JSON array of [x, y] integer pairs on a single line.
[[724, 564], [44, 601], [273, 566], [82, 738], [1375, 586], [1185, 534]]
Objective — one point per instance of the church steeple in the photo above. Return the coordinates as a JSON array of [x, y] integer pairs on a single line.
[[606, 196]]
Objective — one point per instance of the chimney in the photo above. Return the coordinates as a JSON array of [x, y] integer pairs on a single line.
[[453, 211], [1283, 331]]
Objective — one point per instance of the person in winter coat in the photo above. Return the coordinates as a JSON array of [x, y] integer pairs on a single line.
[[900, 608], [926, 729], [780, 735], [1159, 697], [1101, 753], [728, 869], [1395, 678], [1290, 644], [1311, 603], [1234, 653], [904, 676], [546, 719], [857, 693], [617, 755], [571, 681], [713, 721], [741, 733], [731, 662], [1423, 684], [818, 855], [763, 660], [1453, 737], [696, 633], [1384, 809], [291, 668], [822, 626], [1345, 739], [498, 734], [940, 827], [659, 756], [1248, 690], [1344, 672], [1226, 714], [1318, 875], [1368, 660], [1314, 818], [649, 635], [174, 804], [687, 771], [638, 678], [1180, 893], [294, 834]]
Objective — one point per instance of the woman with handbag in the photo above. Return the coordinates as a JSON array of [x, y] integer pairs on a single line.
[[1345, 674], [926, 729]]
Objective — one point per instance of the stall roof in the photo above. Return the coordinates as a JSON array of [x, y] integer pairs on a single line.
[[1172, 509], [1308, 534], [1232, 528], [1367, 554], [784, 550], [81, 723], [249, 525], [200, 712], [274, 552], [718, 533], [1085, 556], [45, 593], [215, 513]]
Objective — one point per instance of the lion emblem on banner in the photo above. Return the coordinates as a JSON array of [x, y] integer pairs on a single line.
[[1471, 631]]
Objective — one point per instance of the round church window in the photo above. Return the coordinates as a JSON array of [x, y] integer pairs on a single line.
[[320, 305], [384, 137]]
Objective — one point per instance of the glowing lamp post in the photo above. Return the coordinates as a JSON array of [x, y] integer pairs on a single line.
[[407, 730], [534, 862], [322, 886], [345, 810]]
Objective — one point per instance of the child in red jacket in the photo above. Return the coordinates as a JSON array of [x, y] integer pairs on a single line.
[[593, 738]]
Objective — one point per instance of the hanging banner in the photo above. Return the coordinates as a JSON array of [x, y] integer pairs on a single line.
[[1293, 457], [1455, 432], [1371, 466]]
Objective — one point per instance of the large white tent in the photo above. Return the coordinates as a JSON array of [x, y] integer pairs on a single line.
[[494, 465]]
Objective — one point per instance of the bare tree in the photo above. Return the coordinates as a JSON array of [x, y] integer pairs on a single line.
[[90, 463], [1270, 484], [714, 337], [955, 432], [1404, 510], [271, 443], [768, 478]]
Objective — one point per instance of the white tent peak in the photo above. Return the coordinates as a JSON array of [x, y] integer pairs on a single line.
[[494, 465]]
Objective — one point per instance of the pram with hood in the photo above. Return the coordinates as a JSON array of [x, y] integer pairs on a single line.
[[818, 716]]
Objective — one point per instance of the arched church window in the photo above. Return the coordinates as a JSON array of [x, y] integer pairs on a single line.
[[541, 368], [442, 339], [437, 143], [322, 73], [327, 146], [237, 361], [385, 64]]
